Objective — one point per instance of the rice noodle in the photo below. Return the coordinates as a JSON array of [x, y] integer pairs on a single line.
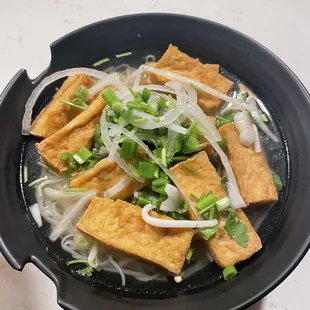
[[72, 213], [119, 186], [260, 123], [172, 223], [93, 256], [118, 268], [47, 81], [130, 135]]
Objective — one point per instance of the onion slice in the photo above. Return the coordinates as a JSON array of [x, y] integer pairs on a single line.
[[119, 186], [36, 214], [234, 195], [173, 200], [172, 223], [118, 268], [257, 146], [70, 215], [263, 126], [244, 126], [47, 81]]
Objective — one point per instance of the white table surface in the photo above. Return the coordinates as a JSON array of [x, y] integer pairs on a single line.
[[27, 27]]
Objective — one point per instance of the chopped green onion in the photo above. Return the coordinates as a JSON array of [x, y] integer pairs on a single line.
[[194, 197], [191, 145], [177, 216], [25, 174], [146, 94], [139, 120], [221, 121], [179, 158], [37, 181], [223, 204], [242, 95], [142, 201], [222, 144], [69, 159], [123, 55], [224, 180], [189, 254], [263, 117], [212, 213], [207, 201], [87, 271], [208, 232], [159, 185], [229, 272], [78, 261], [127, 115], [82, 156], [161, 101], [82, 93], [277, 182], [100, 62], [191, 168], [117, 107], [110, 97], [81, 242], [129, 149], [76, 190], [164, 156], [146, 170], [74, 105]]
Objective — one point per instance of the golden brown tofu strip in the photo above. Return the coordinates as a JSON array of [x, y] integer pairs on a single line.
[[56, 115], [72, 137], [102, 177], [177, 62], [119, 225], [224, 249], [250, 168]]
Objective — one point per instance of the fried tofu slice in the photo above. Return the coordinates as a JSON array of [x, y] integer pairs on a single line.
[[72, 137], [56, 114], [224, 249], [250, 168], [103, 176], [177, 62], [119, 225]]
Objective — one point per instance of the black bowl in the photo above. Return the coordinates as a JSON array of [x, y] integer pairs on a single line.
[[285, 232]]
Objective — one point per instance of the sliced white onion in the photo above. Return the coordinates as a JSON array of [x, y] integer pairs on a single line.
[[257, 146], [234, 195], [193, 110], [114, 147], [119, 186], [93, 256], [130, 135], [177, 128], [103, 151], [203, 87], [173, 200], [63, 198], [36, 214], [172, 223], [155, 87], [244, 126], [118, 268], [260, 123], [263, 108], [72, 213], [110, 80], [47, 81]]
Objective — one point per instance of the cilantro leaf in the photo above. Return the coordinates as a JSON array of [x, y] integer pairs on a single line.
[[236, 229]]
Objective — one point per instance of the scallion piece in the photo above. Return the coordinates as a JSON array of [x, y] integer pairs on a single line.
[[127, 115], [194, 197], [74, 105], [277, 182], [123, 55], [25, 174], [206, 202], [179, 158], [82, 156], [229, 272], [110, 97], [129, 149], [117, 107], [146, 94], [100, 62], [139, 120], [221, 121], [81, 93], [81, 242], [76, 190], [191, 168], [222, 144], [146, 170], [189, 254], [212, 214], [142, 201], [223, 204]]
